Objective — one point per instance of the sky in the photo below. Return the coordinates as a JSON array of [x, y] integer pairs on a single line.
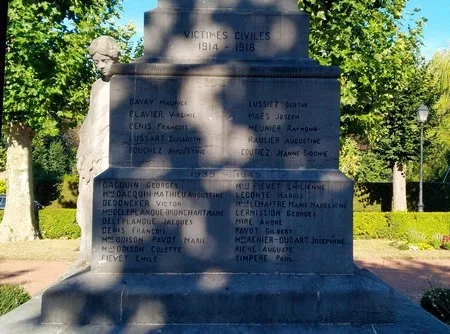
[[436, 30]]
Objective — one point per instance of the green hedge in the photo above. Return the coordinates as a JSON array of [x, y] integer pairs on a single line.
[[372, 197], [427, 223], [12, 296], [381, 225], [370, 225], [377, 197], [59, 224]]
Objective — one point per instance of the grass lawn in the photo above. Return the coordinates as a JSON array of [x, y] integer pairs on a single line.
[[40, 250], [67, 250]]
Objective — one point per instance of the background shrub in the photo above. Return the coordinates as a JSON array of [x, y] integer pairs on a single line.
[[400, 225], [427, 223], [53, 157], [58, 224], [437, 302], [378, 196], [1, 215], [68, 193], [12, 296], [436, 240], [372, 197], [370, 225]]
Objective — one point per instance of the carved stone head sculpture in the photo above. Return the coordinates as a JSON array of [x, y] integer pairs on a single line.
[[105, 52]]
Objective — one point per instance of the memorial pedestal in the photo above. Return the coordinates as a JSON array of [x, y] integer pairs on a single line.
[[219, 298]]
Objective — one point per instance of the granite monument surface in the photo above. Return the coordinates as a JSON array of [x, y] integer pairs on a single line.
[[222, 203]]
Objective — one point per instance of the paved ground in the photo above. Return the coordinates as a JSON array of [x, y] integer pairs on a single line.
[[34, 276], [410, 277]]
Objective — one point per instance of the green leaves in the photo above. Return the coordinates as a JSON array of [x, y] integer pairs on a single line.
[[438, 132], [12, 296], [48, 73], [365, 39], [382, 70]]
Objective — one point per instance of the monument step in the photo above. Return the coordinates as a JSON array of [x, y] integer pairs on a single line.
[[218, 298]]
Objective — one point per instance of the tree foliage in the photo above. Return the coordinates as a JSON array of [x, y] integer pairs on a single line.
[[400, 134], [367, 40], [438, 133], [53, 158], [377, 50], [48, 76], [47, 81], [360, 163]]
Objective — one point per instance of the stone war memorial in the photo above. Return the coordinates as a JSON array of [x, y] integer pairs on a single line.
[[222, 209]]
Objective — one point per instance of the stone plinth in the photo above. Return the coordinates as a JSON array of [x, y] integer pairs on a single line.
[[211, 31], [220, 298]]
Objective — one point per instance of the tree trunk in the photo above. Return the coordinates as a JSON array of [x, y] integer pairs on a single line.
[[19, 222], [399, 187]]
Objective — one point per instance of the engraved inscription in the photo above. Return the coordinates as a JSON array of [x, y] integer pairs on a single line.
[[271, 126], [279, 132], [214, 41], [161, 131], [271, 221]]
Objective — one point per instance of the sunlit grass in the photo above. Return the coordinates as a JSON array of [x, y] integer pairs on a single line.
[[40, 250]]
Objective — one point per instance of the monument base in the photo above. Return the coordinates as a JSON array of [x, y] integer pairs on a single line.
[[219, 298]]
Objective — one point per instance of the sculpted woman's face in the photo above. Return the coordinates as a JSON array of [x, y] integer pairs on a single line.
[[103, 63]]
